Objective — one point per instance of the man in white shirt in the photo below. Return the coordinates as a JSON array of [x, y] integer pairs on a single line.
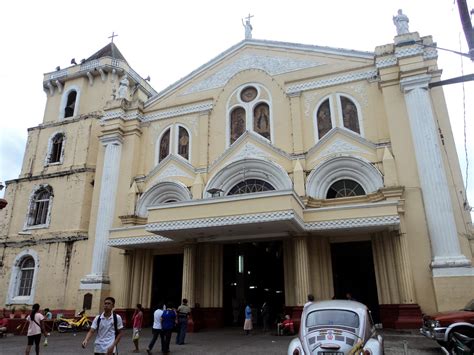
[[109, 327], [156, 330]]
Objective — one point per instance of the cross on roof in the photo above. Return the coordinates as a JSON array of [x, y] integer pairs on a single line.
[[112, 37], [249, 17]]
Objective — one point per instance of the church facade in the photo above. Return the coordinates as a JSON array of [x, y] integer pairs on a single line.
[[273, 171]]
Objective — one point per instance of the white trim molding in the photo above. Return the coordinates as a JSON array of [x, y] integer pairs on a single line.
[[179, 111], [50, 149], [288, 215], [161, 193], [12, 296], [64, 97], [230, 175], [335, 80], [352, 223], [142, 240], [26, 225], [330, 171]]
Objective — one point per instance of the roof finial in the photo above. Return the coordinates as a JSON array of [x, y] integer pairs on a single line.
[[248, 26], [112, 37]]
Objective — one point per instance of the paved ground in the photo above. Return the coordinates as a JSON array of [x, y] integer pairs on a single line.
[[223, 341]]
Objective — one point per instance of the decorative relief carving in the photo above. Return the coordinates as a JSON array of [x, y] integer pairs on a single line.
[[221, 221], [341, 146], [336, 80], [172, 171], [385, 62], [146, 239], [271, 65], [354, 223], [249, 150]]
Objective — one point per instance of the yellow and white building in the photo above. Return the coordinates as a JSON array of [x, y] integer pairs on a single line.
[[272, 171]]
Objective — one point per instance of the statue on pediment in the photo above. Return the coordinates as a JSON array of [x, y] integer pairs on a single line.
[[401, 23]]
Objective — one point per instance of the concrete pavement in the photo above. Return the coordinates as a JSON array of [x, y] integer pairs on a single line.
[[212, 342]]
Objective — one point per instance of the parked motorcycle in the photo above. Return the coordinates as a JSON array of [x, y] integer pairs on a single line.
[[74, 324]]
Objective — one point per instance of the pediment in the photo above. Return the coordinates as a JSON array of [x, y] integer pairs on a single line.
[[171, 168], [273, 65], [251, 145], [274, 58], [341, 142]]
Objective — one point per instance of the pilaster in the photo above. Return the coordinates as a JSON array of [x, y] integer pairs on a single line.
[[434, 184], [98, 278]]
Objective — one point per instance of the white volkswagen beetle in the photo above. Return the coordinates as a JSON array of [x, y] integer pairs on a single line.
[[336, 328]]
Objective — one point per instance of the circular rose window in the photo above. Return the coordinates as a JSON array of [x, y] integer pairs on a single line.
[[248, 94]]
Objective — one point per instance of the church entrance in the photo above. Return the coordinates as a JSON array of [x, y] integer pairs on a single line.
[[354, 273], [253, 274], [167, 280]]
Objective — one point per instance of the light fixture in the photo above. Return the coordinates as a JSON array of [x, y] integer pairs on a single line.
[[215, 192]]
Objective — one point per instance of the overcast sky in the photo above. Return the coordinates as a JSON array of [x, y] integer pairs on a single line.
[[169, 39]]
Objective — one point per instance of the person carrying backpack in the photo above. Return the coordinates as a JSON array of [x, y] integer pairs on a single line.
[[168, 322], [109, 327]]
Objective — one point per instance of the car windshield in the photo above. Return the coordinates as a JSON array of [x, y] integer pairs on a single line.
[[470, 306], [333, 317]]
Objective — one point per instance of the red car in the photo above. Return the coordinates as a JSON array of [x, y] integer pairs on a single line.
[[439, 326]]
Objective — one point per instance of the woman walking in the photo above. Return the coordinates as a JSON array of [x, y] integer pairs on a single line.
[[137, 320], [35, 328]]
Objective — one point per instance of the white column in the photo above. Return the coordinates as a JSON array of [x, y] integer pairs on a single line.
[[434, 184], [105, 212], [302, 281]]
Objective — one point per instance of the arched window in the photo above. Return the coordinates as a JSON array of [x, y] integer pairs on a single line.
[[56, 149], [249, 186], [323, 119], [237, 123], [261, 120], [165, 145], [27, 271], [249, 109], [350, 116], [70, 104], [345, 188], [39, 208], [183, 143], [87, 301], [163, 192]]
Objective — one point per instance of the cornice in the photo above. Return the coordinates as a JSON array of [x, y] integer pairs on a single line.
[[41, 241], [287, 215], [179, 111], [331, 81], [142, 240], [66, 121], [352, 223], [52, 175]]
